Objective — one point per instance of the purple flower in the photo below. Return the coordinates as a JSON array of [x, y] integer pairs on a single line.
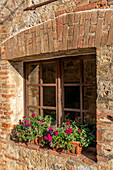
[[51, 131], [27, 125], [43, 120]]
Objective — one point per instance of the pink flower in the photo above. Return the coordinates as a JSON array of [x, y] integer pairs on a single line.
[[45, 138], [27, 121], [53, 129], [68, 123], [21, 123], [66, 131], [56, 133], [23, 120], [79, 130], [48, 125], [18, 133], [39, 122], [68, 114], [70, 130], [50, 128], [24, 117], [57, 144], [48, 135], [33, 115], [50, 138], [43, 123], [81, 136], [30, 124]]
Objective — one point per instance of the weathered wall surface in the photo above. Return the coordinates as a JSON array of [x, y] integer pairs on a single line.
[[13, 19], [59, 28]]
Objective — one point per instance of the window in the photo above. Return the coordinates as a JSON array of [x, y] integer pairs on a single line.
[[58, 87]]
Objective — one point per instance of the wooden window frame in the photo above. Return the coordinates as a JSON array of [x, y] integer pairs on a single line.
[[59, 84]]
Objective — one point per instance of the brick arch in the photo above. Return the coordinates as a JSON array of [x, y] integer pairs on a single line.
[[65, 32]]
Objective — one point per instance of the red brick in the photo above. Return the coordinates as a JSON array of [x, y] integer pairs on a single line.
[[71, 19], [86, 7], [91, 40], [99, 148], [110, 37], [59, 27], [45, 27], [99, 32], [70, 31], [94, 17], [86, 33], [65, 33], [92, 28], [104, 38], [5, 125], [77, 17], [57, 13], [82, 3], [80, 41], [65, 19], [99, 135], [70, 42], [108, 17], [8, 95], [82, 18], [101, 158], [75, 37]]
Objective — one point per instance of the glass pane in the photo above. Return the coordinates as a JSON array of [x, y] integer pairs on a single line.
[[33, 73], [48, 72], [72, 97], [33, 95], [72, 71], [90, 121], [89, 71], [72, 116], [51, 113], [49, 96], [89, 98], [32, 110]]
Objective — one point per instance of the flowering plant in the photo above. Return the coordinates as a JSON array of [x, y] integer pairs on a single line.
[[59, 137], [27, 130]]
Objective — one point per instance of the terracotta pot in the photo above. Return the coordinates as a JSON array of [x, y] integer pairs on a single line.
[[37, 141], [58, 149], [78, 149]]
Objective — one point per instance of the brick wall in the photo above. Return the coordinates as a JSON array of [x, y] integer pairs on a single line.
[[59, 29], [13, 19]]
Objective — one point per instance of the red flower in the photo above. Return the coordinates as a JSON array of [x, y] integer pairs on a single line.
[[66, 131], [56, 133], [68, 123], [79, 130], [33, 115], [24, 117]]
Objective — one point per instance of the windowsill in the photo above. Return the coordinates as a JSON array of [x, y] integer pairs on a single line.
[[88, 156]]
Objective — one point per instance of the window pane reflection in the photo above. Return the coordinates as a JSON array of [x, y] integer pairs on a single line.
[[72, 97], [89, 98], [33, 74], [33, 95], [89, 71], [72, 71], [49, 96], [48, 72]]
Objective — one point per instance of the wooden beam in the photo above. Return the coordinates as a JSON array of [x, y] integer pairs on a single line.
[[33, 7]]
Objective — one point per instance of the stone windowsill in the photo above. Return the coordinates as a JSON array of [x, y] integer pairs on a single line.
[[87, 157]]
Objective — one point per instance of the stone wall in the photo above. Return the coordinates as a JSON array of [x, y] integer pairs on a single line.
[[61, 28]]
